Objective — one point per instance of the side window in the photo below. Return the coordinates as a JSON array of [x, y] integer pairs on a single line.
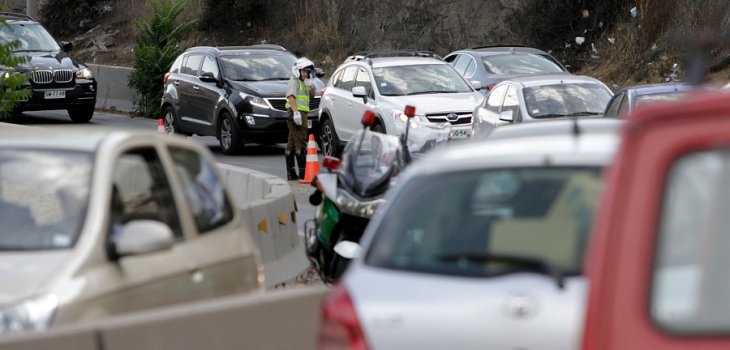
[[690, 287], [175, 68], [348, 78], [363, 79], [451, 59], [613, 106], [470, 68], [210, 66], [623, 109], [191, 65], [461, 63], [204, 191], [335, 80], [494, 100], [141, 191], [512, 103]]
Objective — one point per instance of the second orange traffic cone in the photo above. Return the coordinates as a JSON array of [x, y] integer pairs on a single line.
[[161, 126], [312, 161]]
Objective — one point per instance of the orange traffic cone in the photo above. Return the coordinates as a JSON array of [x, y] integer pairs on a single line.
[[312, 161], [161, 126]]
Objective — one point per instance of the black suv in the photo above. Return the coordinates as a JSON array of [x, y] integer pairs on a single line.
[[57, 80], [236, 94]]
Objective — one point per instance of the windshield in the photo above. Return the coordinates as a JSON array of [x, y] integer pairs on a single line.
[[419, 79], [257, 67], [43, 198], [484, 223], [563, 100], [519, 64], [32, 37], [369, 161]]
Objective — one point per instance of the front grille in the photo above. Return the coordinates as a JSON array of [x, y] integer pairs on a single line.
[[49, 76], [464, 118], [280, 103]]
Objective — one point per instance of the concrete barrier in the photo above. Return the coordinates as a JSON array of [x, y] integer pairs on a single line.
[[280, 319], [113, 93]]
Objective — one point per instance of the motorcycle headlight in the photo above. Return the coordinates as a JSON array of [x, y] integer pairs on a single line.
[[32, 314], [254, 100], [85, 73]]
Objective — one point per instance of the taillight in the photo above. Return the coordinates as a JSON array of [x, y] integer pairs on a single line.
[[340, 327], [490, 87], [164, 80]]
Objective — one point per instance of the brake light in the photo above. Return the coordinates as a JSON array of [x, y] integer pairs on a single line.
[[490, 87], [164, 80], [340, 327], [331, 163]]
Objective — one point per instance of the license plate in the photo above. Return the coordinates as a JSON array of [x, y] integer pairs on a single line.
[[309, 124], [54, 94], [459, 134]]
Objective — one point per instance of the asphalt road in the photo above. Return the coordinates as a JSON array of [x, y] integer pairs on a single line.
[[266, 159]]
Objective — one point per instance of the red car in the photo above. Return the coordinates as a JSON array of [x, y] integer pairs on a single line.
[[660, 252]]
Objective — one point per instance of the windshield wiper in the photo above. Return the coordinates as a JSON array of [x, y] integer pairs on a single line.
[[431, 92], [275, 78], [558, 115], [578, 114], [38, 50], [533, 264]]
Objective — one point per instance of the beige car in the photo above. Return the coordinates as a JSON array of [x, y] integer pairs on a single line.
[[100, 222]]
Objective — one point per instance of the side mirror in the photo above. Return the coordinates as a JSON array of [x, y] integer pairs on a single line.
[[319, 72], [142, 237], [347, 249], [506, 116], [208, 77], [359, 91], [475, 84], [66, 46]]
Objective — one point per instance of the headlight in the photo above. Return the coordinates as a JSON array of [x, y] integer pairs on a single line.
[[32, 314], [254, 100], [85, 73], [349, 205], [416, 122]]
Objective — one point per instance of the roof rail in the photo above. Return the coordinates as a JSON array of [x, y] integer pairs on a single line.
[[255, 47], [16, 14], [500, 45], [359, 56]]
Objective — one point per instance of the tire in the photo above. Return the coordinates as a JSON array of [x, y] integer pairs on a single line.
[[378, 127], [172, 124], [228, 135], [81, 114], [330, 143]]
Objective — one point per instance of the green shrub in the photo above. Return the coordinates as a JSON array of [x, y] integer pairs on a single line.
[[76, 16], [11, 82], [156, 50]]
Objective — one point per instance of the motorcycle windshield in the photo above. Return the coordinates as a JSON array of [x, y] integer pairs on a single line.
[[369, 161]]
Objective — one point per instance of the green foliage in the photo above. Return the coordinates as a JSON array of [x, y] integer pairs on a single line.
[[76, 16], [12, 84], [156, 50]]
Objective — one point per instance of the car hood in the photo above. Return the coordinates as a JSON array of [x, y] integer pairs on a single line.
[[400, 310], [23, 272], [272, 88], [437, 103], [49, 60]]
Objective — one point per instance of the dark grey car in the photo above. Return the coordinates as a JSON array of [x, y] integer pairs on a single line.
[[491, 64], [624, 102]]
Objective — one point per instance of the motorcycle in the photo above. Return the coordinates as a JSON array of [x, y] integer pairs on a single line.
[[349, 193]]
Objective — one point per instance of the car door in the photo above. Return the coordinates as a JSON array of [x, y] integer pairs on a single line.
[[487, 116], [207, 95], [185, 85], [223, 249], [358, 106], [140, 190], [511, 103], [341, 115]]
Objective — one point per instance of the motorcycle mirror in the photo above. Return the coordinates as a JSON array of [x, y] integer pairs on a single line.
[[347, 249], [331, 163], [410, 111], [368, 119]]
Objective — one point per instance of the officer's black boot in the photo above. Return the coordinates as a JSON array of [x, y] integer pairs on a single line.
[[291, 170], [301, 160]]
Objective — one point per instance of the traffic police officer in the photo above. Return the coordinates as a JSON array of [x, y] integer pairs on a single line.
[[298, 94]]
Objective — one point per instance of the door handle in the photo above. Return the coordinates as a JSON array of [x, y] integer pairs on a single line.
[[196, 276], [177, 82], [196, 88]]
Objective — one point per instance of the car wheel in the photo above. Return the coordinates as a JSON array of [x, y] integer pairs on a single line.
[[81, 114], [172, 125], [378, 127], [228, 135], [328, 138]]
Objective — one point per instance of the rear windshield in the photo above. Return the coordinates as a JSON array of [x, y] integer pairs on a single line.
[[31, 36], [257, 67], [661, 97], [540, 214], [520, 64], [565, 100], [43, 198]]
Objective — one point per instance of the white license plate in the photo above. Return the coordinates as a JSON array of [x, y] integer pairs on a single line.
[[309, 124], [54, 94], [459, 134]]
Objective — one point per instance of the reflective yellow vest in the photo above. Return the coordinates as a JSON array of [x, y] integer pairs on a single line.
[[302, 97]]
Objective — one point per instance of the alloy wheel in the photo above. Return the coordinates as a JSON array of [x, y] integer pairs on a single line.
[[326, 138], [169, 121], [226, 131]]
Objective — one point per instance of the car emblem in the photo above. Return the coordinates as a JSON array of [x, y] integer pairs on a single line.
[[521, 306], [452, 117]]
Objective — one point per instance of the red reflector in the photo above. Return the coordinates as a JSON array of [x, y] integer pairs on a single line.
[[164, 80], [409, 111], [340, 327], [490, 87], [331, 163], [368, 118]]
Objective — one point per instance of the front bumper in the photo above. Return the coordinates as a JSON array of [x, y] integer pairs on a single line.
[[269, 125], [81, 94]]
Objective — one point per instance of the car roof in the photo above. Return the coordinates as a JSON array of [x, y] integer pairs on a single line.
[[566, 126], [403, 61], [15, 17], [545, 79], [233, 50], [69, 138], [501, 49], [555, 149], [658, 88]]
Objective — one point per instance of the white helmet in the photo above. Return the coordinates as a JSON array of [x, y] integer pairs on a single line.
[[302, 63]]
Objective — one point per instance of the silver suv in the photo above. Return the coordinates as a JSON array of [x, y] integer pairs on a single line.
[[385, 82]]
